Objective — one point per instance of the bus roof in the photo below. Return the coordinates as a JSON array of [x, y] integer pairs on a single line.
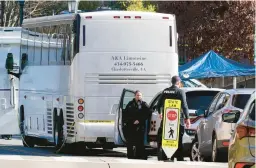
[[127, 14], [67, 18], [48, 20]]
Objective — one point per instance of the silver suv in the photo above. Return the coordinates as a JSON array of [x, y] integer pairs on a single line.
[[212, 137]]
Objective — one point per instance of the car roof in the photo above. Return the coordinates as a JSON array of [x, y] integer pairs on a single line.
[[188, 89], [240, 91]]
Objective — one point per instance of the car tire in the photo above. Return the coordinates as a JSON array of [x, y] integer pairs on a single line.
[[194, 151], [217, 156]]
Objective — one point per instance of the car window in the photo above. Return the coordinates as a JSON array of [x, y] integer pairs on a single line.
[[213, 104], [240, 100], [200, 99], [252, 112], [222, 101], [155, 101]]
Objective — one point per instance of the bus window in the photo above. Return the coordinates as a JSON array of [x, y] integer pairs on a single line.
[[37, 48], [45, 45], [31, 46]]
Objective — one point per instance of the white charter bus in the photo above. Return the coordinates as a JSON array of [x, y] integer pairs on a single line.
[[79, 65], [9, 44]]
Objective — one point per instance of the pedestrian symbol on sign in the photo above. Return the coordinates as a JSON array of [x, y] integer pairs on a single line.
[[171, 132]]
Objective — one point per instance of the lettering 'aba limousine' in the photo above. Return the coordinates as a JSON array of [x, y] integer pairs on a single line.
[[124, 58], [74, 56]]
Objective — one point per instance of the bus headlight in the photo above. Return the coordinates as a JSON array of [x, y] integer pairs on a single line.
[[80, 115]]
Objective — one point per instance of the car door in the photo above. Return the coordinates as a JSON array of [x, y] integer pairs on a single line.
[[119, 134], [211, 119], [251, 125], [202, 126], [155, 120]]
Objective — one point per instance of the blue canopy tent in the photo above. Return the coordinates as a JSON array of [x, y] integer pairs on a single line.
[[213, 65]]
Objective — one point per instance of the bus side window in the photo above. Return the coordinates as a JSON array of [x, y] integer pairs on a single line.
[[52, 46], [45, 46], [31, 45], [76, 35], [24, 60], [68, 54], [24, 43], [37, 47]]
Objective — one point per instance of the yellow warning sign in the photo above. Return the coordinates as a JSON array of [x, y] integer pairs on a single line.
[[171, 123]]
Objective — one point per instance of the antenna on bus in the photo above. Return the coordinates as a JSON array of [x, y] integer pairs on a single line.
[[73, 6]]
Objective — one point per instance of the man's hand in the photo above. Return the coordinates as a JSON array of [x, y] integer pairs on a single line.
[[136, 122], [161, 116], [187, 122]]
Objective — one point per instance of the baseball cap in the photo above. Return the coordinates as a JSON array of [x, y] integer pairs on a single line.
[[175, 79]]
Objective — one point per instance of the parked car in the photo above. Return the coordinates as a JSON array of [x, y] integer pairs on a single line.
[[192, 83], [212, 136], [242, 142], [196, 98]]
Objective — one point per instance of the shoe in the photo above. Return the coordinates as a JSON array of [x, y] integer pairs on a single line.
[[180, 159]]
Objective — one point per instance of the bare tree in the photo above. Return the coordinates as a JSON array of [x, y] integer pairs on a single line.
[[226, 27], [31, 9]]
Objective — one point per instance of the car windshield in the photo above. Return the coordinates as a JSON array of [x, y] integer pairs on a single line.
[[240, 100], [200, 99]]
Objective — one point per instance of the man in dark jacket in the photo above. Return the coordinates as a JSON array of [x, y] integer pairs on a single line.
[[174, 92], [135, 115]]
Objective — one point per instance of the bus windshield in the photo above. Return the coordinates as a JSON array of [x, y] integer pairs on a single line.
[[128, 36]]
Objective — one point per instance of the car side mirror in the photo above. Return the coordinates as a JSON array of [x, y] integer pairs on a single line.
[[231, 117]]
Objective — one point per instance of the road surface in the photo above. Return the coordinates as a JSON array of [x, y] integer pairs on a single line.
[[13, 154]]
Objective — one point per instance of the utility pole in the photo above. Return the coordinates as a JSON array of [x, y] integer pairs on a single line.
[[21, 2]]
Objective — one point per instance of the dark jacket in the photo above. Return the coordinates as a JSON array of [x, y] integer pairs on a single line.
[[133, 113], [174, 92]]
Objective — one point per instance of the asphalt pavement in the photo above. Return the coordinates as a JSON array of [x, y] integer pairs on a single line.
[[13, 154]]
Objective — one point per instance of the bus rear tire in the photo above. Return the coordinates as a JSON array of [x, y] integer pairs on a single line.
[[58, 134], [107, 147], [28, 142]]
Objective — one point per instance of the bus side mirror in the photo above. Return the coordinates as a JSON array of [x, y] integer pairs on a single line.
[[9, 62]]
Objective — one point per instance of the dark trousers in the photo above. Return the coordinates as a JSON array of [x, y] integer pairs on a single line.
[[135, 145], [179, 152]]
